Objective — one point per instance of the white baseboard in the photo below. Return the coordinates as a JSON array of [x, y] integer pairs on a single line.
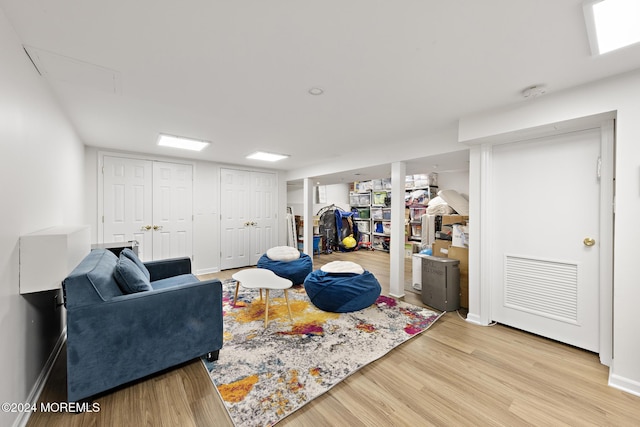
[[37, 388], [207, 271], [624, 384], [475, 319]]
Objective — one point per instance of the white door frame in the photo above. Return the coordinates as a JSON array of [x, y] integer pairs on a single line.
[[480, 205]]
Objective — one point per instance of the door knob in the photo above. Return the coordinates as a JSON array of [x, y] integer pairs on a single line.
[[145, 228], [588, 241], [157, 227]]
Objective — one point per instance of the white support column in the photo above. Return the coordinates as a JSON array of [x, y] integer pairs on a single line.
[[307, 216], [480, 226], [396, 247]]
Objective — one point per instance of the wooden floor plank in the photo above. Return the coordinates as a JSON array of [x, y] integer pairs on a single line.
[[456, 373]]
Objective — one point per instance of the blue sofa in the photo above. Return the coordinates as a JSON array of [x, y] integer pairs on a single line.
[[116, 336]]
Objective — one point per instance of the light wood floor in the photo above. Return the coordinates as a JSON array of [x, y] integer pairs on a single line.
[[454, 374]]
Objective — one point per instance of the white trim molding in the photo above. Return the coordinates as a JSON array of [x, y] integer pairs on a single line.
[[624, 384]]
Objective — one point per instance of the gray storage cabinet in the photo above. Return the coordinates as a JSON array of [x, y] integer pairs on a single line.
[[441, 283]]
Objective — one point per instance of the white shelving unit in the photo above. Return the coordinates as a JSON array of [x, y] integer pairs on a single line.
[[379, 193], [361, 202], [381, 219]]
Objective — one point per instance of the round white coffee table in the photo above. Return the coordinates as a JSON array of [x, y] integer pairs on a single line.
[[260, 278]]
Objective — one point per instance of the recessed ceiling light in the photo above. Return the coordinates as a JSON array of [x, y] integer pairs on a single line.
[[181, 142], [269, 157], [612, 24], [316, 91]]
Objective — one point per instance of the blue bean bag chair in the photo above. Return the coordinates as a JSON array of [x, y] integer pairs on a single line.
[[342, 291], [287, 266]]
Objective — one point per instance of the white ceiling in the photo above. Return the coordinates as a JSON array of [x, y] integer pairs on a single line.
[[237, 73]]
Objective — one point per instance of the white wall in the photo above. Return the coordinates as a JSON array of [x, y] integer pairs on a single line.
[[619, 94], [337, 194], [458, 181], [41, 184], [206, 205]]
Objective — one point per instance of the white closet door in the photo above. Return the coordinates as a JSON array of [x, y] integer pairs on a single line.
[[263, 214], [151, 202], [172, 210], [546, 207], [127, 208], [235, 217], [248, 216]]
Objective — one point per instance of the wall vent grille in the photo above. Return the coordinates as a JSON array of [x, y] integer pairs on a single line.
[[545, 288]]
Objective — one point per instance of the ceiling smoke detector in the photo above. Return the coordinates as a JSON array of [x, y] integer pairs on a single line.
[[534, 92]]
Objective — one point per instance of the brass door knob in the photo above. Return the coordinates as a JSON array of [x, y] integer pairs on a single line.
[[588, 241]]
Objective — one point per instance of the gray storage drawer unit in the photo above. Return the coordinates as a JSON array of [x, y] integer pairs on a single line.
[[441, 283]]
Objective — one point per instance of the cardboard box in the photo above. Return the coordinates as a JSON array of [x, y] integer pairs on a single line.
[[454, 219], [441, 248], [462, 255]]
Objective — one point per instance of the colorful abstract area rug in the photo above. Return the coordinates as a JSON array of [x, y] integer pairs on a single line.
[[264, 374]]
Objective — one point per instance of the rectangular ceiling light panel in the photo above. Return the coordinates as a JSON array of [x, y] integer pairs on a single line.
[[181, 142], [612, 24], [269, 157]]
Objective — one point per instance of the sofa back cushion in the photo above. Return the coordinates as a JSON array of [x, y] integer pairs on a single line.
[[92, 280], [129, 276]]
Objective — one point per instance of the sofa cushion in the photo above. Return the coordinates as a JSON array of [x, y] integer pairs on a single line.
[[133, 257], [93, 280], [182, 279], [129, 277]]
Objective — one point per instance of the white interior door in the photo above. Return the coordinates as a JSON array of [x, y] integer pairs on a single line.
[[234, 218], [546, 207], [150, 202], [248, 216], [172, 210], [263, 212], [127, 202]]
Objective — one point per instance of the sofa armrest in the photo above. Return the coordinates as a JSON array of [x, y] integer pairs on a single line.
[[135, 335], [165, 268]]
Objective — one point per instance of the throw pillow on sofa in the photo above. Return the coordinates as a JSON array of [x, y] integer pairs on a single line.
[[133, 257], [129, 277]]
